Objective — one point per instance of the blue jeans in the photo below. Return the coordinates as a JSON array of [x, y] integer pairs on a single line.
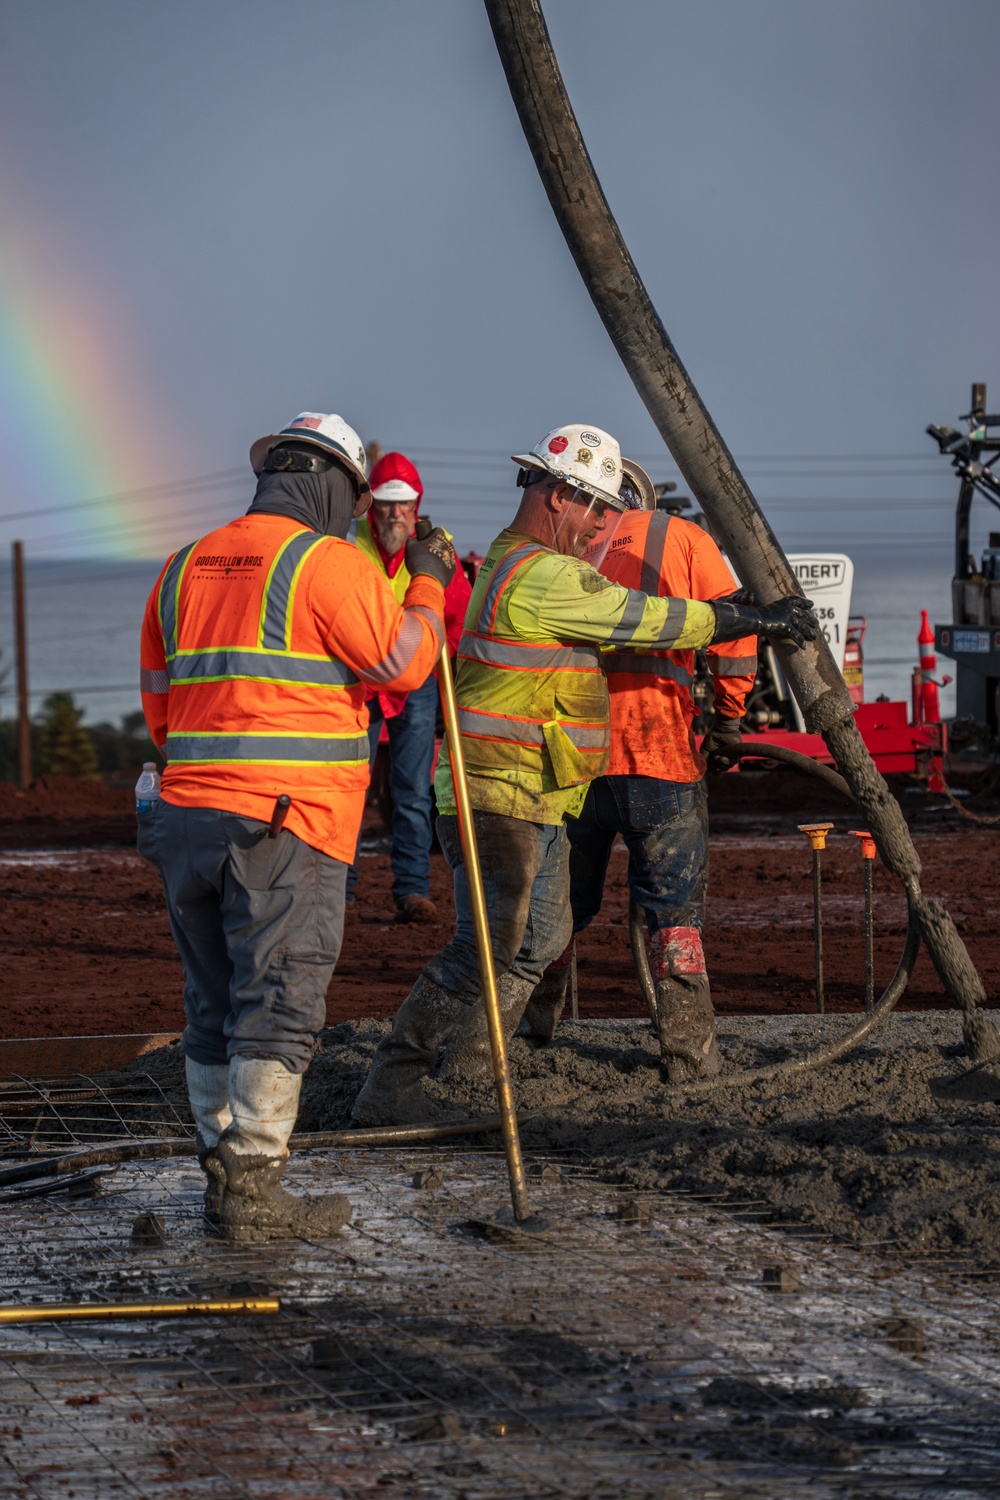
[[258, 922], [664, 825], [526, 886], [411, 757]]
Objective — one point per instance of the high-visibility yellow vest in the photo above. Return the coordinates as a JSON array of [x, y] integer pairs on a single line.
[[532, 697], [537, 710]]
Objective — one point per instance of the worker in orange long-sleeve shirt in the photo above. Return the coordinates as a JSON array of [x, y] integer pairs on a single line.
[[654, 791], [258, 645]]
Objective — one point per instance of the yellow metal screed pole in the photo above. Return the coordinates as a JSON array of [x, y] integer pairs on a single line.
[[85, 1312], [474, 880]]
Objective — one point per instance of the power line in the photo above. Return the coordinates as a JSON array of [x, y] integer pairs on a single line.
[[145, 496]]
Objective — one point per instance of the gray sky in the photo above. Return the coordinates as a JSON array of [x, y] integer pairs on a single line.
[[298, 204]]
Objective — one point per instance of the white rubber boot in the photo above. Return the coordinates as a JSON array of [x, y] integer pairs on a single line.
[[264, 1099], [208, 1095]]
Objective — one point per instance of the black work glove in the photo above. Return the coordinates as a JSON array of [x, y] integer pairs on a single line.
[[789, 619], [723, 745], [432, 555]]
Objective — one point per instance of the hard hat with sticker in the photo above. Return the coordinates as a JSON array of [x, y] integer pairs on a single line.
[[553, 454]]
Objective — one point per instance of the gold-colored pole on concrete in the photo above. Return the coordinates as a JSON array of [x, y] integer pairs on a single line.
[[477, 901], [82, 1312]]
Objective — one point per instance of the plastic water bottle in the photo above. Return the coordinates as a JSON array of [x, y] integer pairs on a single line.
[[147, 788]]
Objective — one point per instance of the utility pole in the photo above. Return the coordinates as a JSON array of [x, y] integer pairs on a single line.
[[21, 641]]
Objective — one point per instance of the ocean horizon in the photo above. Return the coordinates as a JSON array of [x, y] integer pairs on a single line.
[[84, 618]]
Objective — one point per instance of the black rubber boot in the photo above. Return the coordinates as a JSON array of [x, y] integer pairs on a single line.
[[541, 1016], [468, 1055], [393, 1092], [685, 1023], [256, 1208]]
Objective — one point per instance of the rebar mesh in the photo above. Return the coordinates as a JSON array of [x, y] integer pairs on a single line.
[[628, 1349]]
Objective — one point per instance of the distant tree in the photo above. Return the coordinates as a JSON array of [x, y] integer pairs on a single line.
[[134, 723], [67, 749]]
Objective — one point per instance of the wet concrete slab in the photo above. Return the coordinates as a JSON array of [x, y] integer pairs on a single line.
[[640, 1344]]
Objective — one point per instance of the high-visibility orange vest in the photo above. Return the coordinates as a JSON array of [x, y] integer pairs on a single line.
[[651, 702], [258, 643]]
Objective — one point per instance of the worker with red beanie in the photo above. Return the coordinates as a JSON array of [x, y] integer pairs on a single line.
[[409, 718]]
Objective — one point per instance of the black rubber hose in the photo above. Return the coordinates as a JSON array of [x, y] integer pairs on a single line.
[[761, 750], [828, 1052]]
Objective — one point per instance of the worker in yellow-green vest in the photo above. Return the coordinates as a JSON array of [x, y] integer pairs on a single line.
[[409, 718], [535, 722]]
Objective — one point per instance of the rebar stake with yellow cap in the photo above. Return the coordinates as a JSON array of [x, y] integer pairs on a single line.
[[868, 854], [816, 834]]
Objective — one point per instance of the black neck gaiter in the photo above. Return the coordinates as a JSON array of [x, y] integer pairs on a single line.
[[324, 502]]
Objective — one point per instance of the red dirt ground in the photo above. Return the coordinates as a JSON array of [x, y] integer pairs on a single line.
[[87, 950]]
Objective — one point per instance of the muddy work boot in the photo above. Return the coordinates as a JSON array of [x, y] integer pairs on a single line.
[[208, 1094], [547, 1003], [264, 1099], [468, 1055], [685, 1025], [685, 1020], [393, 1093]]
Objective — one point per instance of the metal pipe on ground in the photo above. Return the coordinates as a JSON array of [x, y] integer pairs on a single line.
[[642, 342], [102, 1312], [381, 1135]]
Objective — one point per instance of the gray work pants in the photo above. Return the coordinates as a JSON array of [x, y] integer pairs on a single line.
[[258, 922]]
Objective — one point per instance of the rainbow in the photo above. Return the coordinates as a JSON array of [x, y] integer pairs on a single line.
[[79, 425]]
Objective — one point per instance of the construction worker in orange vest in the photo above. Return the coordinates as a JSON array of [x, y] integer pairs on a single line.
[[410, 719], [259, 643], [653, 793], [535, 722]]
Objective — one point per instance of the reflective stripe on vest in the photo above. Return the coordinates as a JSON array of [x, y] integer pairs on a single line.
[[733, 666], [528, 658], [528, 731], [226, 664], [279, 590], [505, 567], [654, 666], [169, 594], [265, 749]]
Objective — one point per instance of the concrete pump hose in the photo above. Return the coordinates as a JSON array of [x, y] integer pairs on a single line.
[[685, 424], [827, 1052]]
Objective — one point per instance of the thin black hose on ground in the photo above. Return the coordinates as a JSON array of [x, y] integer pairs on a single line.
[[827, 1052]]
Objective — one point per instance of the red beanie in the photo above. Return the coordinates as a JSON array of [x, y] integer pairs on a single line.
[[395, 478]]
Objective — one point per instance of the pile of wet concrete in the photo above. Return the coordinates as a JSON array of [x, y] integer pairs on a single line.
[[861, 1151]]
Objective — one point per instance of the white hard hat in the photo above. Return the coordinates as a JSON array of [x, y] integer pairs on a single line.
[[637, 483], [326, 431], [584, 456]]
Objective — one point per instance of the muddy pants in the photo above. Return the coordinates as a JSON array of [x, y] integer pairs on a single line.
[[258, 922], [525, 869], [664, 825]]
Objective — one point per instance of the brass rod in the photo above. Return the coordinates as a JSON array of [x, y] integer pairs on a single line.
[[62, 1312], [477, 901]]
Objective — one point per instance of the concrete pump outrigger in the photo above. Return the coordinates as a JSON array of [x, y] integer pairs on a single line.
[[700, 453]]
